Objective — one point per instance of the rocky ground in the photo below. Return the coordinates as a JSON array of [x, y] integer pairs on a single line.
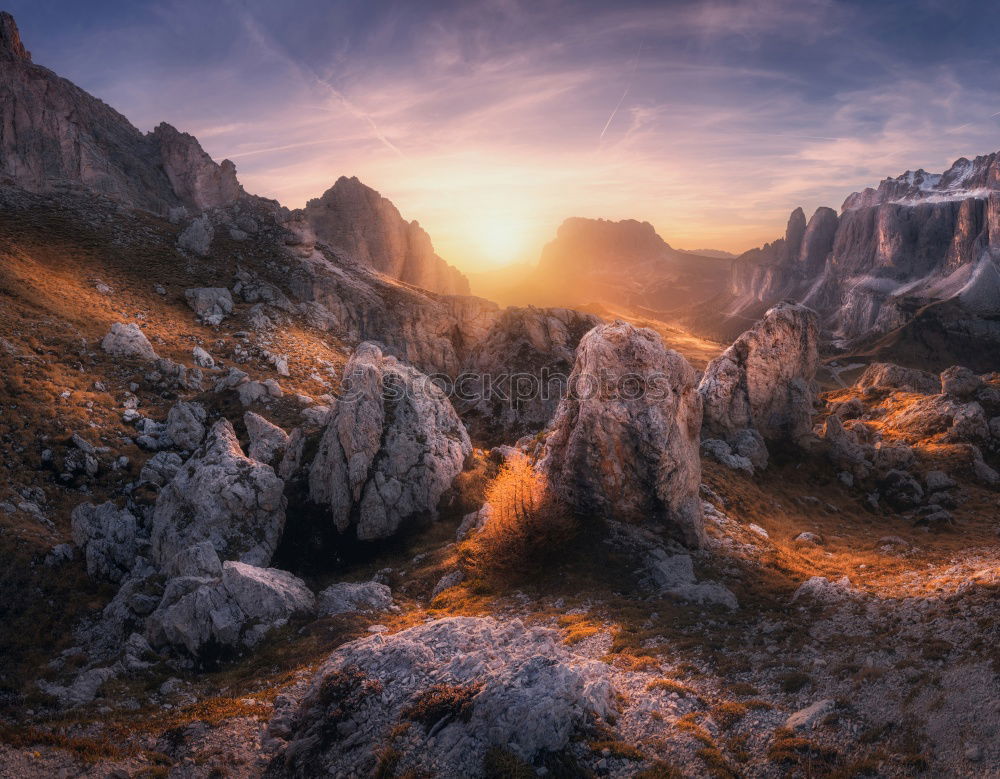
[[836, 616]]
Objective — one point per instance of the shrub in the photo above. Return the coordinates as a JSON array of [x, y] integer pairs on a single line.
[[525, 525]]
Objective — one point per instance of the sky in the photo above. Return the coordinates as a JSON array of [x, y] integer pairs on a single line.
[[491, 121]]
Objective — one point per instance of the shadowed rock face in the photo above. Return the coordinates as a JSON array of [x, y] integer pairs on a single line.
[[358, 221], [764, 380], [52, 133], [393, 445], [624, 442]]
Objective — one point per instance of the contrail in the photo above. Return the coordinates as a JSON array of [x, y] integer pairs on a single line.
[[628, 86], [265, 42]]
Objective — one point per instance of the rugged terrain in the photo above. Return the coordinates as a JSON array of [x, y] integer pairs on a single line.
[[260, 518]]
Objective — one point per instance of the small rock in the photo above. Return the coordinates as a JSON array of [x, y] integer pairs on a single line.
[[809, 717]]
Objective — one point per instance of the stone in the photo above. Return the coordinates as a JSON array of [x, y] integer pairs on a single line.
[[221, 496], [211, 304], [235, 610], [901, 490], [128, 341], [202, 358], [108, 537], [526, 692], [938, 480], [750, 444], [197, 236], [351, 597], [808, 539], [812, 715], [160, 468], [722, 453], [624, 440], [764, 380], [887, 375], [960, 382], [186, 424], [267, 441], [83, 689], [392, 447]]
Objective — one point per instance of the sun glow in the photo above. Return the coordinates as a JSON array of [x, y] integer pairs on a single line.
[[498, 238]]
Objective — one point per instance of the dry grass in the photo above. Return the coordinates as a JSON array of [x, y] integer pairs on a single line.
[[672, 685], [525, 527]]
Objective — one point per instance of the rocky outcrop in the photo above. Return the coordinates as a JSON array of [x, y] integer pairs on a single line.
[[392, 447], [52, 133], [211, 304], [356, 220], [267, 441], [352, 597], [199, 614], [886, 375], [764, 381], [197, 236], [108, 537], [518, 688], [186, 424], [516, 375], [127, 340], [917, 239], [219, 495], [624, 441]]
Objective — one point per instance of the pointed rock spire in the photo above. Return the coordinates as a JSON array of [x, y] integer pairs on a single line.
[[10, 38]]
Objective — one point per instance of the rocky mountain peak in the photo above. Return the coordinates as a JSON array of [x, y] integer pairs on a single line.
[[10, 38], [355, 219]]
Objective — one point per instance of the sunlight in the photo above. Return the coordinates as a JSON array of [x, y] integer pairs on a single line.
[[498, 238]]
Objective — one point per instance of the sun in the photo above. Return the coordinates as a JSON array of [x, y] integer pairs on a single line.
[[498, 240]]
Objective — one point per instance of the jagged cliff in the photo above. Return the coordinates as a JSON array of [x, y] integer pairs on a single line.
[[55, 135], [891, 260], [357, 220]]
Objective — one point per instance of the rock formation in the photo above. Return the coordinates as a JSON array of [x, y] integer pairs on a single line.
[[127, 340], [917, 239], [522, 364], [53, 133], [624, 441], [356, 220], [624, 263], [764, 380], [886, 375], [219, 495], [392, 447], [524, 691]]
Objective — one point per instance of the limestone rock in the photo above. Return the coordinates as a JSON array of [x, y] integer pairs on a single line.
[[887, 375], [160, 468], [235, 610], [221, 496], [127, 340], [186, 424], [108, 537], [211, 304], [349, 597], [202, 358], [392, 447], [516, 375], [267, 441], [624, 441], [764, 380], [527, 693], [960, 382]]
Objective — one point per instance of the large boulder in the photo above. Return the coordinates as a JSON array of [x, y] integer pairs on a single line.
[[765, 379], [887, 375], [516, 375], [267, 441], [392, 447], [127, 340], [200, 614], [960, 382], [108, 537], [624, 441], [509, 686], [222, 496], [186, 424]]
